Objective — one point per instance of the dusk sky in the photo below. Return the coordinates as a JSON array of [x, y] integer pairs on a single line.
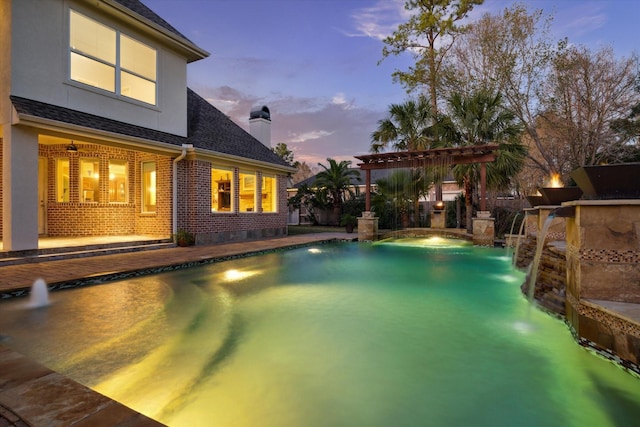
[[314, 63]]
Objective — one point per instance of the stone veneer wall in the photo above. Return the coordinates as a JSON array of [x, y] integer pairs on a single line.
[[603, 255], [194, 214]]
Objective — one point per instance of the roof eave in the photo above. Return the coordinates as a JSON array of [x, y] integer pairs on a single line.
[[245, 160], [63, 127], [193, 52]]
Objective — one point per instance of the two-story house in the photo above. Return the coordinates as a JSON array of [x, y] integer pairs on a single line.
[[102, 136]]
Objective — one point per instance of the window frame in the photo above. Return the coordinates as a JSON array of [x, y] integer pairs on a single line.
[[144, 190], [232, 188], [81, 189], [118, 69]]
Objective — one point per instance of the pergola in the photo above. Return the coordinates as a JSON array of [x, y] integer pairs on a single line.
[[429, 158]]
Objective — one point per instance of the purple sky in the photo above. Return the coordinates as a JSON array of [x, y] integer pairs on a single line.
[[314, 63]]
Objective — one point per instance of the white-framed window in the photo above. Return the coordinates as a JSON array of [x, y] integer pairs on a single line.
[[103, 57], [222, 188], [269, 193], [149, 176], [89, 180], [247, 193], [118, 181], [62, 180]]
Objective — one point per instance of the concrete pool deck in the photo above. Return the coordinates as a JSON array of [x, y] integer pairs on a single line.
[[32, 395]]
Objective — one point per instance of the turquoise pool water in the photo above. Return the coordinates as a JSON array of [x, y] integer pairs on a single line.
[[417, 332]]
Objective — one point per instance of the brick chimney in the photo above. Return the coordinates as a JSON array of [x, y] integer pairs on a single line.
[[260, 125]]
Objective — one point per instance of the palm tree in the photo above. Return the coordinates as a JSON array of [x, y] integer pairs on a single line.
[[336, 179], [479, 119], [411, 126]]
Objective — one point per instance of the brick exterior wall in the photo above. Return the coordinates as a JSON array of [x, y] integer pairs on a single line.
[[75, 218], [195, 216]]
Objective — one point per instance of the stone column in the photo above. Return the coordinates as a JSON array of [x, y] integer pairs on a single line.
[[603, 254], [367, 226], [438, 218], [483, 229]]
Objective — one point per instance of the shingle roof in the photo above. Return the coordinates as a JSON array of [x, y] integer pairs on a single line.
[[211, 129], [142, 10], [208, 128]]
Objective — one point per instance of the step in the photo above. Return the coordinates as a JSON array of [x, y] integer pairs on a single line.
[[56, 254]]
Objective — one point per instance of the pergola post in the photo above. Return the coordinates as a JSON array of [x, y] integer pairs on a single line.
[[367, 197], [483, 187]]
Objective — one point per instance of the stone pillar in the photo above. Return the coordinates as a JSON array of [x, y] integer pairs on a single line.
[[367, 226], [483, 229], [438, 218], [603, 254]]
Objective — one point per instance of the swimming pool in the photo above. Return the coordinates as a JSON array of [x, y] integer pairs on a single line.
[[410, 332]]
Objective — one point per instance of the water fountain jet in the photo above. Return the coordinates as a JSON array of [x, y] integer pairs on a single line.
[[39, 296]]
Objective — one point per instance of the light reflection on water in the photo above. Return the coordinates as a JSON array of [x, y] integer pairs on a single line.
[[406, 333]]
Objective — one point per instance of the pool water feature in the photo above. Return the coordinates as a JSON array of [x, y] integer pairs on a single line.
[[405, 332]]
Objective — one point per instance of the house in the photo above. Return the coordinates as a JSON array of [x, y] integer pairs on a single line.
[[101, 136]]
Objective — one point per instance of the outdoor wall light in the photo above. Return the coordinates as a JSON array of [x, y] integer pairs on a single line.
[[72, 148]]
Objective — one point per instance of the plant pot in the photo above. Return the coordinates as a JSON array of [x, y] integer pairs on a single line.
[[619, 181], [349, 228]]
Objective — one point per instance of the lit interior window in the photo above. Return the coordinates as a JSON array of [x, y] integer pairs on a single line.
[[247, 192], [90, 180], [221, 190], [148, 187], [98, 52], [62, 180], [118, 183], [269, 200]]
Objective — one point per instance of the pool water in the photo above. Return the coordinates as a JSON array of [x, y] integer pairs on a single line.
[[416, 332]]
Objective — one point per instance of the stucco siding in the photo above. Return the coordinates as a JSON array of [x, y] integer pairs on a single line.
[[40, 67]]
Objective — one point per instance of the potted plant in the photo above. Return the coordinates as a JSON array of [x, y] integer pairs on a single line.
[[349, 222], [184, 238]]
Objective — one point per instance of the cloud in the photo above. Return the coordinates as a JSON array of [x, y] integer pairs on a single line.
[[378, 21], [314, 129]]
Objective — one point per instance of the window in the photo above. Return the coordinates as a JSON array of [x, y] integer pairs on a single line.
[[89, 180], [221, 190], [103, 58], [269, 192], [148, 187], [62, 180], [118, 182], [247, 193]]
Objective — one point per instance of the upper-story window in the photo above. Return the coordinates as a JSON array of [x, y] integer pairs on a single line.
[[103, 57]]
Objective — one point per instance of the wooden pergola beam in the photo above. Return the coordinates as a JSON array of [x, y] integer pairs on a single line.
[[428, 158]]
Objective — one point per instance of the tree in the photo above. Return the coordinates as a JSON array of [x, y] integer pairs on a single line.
[[412, 126], [409, 126], [566, 98], [428, 34], [284, 153], [481, 119], [303, 172], [588, 93], [336, 179], [509, 53]]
